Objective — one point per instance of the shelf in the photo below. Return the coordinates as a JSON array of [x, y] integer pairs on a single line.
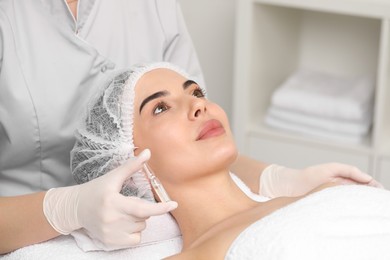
[[291, 151], [383, 171], [385, 147], [367, 8], [262, 130], [382, 118], [275, 38]]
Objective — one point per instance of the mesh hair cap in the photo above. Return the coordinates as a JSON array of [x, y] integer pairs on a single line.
[[104, 140]]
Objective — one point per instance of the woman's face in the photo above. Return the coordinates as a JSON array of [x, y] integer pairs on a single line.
[[188, 135]]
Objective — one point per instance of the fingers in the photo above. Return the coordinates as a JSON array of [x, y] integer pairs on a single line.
[[138, 212], [352, 175], [134, 239], [376, 184], [144, 155], [344, 181], [131, 239], [350, 172], [131, 166], [135, 226], [144, 209], [121, 241]]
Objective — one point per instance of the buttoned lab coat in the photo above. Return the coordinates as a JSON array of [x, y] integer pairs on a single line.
[[51, 65]]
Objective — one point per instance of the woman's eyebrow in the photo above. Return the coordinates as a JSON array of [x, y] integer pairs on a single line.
[[188, 83], [151, 97]]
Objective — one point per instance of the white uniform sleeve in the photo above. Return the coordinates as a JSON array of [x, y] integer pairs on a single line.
[[179, 49], [1, 41]]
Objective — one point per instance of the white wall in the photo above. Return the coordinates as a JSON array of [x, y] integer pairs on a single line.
[[211, 25]]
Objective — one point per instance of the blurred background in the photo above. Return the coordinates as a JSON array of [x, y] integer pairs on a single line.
[[211, 24]]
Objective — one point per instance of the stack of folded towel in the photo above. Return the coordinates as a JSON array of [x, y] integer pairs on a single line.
[[323, 105]]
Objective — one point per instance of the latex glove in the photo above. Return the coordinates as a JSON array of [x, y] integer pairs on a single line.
[[278, 181], [99, 208]]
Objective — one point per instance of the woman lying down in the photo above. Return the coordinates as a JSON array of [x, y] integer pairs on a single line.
[[160, 108]]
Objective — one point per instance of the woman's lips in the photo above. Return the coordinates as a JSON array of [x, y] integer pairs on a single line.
[[210, 129]]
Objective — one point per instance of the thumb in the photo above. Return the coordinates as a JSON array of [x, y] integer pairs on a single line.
[[131, 166]]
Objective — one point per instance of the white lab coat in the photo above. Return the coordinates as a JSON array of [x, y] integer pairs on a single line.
[[50, 66]]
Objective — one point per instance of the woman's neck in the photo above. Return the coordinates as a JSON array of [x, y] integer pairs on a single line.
[[206, 202], [73, 7]]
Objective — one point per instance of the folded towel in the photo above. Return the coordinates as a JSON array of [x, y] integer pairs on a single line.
[[65, 248], [355, 127], [311, 131], [349, 222], [158, 228], [325, 95]]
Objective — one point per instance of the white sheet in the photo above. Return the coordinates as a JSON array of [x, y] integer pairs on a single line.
[[345, 222]]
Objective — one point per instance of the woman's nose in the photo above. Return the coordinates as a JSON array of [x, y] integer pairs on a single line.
[[198, 108]]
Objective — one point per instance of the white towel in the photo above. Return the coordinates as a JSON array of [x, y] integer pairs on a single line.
[[314, 132], [355, 127], [65, 248], [325, 95], [340, 223]]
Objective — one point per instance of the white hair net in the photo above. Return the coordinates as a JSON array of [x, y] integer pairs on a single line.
[[104, 140]]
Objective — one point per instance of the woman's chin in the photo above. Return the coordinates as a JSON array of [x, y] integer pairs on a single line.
[[227, 155]]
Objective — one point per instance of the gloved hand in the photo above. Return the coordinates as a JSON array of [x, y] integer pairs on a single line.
[[277, 181], [99, 208]]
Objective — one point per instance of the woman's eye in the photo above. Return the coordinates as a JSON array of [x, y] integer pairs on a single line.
[[161, 107], [198, 93]]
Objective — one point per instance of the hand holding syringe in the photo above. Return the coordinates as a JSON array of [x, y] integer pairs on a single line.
[[157, 187]]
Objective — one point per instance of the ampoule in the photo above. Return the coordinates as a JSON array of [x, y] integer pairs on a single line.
[[157, 187]]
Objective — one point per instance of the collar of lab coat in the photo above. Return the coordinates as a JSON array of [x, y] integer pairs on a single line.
[[60, 10]]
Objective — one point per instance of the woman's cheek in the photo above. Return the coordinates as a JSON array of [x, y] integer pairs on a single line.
[[168, 146]]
